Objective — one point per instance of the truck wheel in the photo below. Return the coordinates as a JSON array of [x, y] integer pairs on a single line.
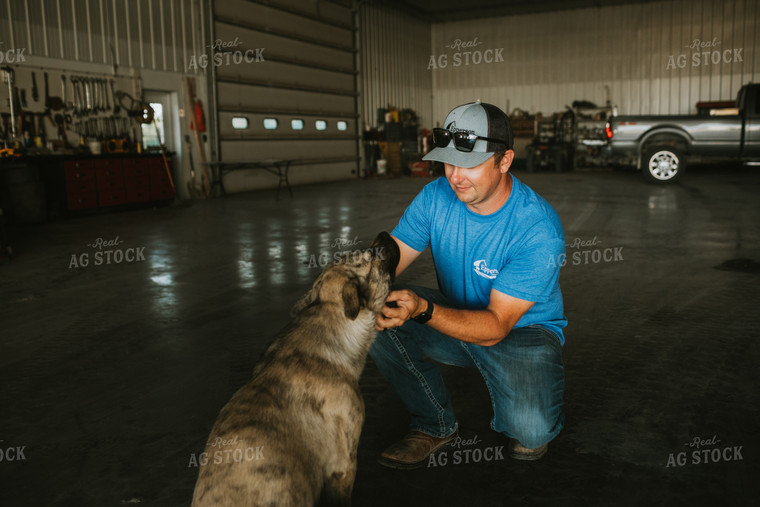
[[663, 164]]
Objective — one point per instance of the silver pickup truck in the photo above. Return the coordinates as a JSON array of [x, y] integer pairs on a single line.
[[661, 145]]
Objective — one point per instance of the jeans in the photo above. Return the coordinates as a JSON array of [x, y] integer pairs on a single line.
[[524, 374]]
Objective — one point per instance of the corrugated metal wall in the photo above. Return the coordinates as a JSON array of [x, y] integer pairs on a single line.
[[622, 53], [392, 46], [306, 72], [149, 34]]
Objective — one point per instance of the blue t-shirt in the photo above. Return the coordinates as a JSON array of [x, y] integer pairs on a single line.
[[514, 250]]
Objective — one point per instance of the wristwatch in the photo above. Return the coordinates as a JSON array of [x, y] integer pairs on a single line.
[[426, 315]]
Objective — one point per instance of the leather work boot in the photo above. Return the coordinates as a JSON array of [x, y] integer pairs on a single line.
[[519, 451], [413, 450]]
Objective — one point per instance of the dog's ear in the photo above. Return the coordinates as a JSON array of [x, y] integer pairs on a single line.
[[352, 298], [307, 299]]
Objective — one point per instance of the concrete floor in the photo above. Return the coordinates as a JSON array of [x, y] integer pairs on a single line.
[[112, 375]]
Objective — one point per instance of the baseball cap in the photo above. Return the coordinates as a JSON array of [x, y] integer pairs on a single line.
[[481, 119]]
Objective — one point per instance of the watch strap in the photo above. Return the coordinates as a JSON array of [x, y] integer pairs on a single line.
[[426, 315]]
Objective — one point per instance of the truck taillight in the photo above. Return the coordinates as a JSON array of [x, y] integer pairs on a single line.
[[608, 131]]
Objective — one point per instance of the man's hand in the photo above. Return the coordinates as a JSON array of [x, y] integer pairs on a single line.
[[405, 305], [484, 327]]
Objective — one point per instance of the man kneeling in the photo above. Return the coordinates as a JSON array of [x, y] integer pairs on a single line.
[[499, 307]]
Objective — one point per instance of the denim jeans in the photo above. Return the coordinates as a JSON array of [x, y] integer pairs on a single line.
[[524, 374]]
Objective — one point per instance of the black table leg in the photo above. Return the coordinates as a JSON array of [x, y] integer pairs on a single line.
[[222, 190], [287, 182], [217, 178], [283, 176]]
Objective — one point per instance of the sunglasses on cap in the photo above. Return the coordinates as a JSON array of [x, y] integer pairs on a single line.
[[463, 141]]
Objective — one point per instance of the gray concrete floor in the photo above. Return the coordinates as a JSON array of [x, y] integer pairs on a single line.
[[113, 374]]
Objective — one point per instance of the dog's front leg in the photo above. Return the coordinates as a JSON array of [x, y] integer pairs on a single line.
[[339, 486], [341, 468]]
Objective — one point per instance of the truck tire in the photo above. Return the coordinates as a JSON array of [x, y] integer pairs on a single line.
[[663, 164]]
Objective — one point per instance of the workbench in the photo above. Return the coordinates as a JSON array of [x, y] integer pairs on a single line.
[[36, 187]]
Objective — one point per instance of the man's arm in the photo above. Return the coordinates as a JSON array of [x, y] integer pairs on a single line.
[[482, 327], [408, 254]]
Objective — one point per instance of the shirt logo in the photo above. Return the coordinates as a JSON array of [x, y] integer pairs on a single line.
[[483, 270]]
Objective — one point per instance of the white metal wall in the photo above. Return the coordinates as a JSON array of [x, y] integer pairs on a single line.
[[149, 34], [392, 46], [621, 52]]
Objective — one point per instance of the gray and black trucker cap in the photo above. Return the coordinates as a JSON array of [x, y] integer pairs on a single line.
[[477, 118]]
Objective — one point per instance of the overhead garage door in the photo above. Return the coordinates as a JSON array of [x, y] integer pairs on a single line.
[[288, 69]]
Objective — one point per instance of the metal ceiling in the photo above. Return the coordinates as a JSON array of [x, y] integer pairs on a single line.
[[458, 10]]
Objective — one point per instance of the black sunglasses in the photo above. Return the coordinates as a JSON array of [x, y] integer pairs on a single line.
[[463, 141]]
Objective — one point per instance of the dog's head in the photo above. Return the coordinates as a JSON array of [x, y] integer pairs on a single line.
[[356, 280]]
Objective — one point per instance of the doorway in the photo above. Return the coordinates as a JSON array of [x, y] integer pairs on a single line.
[[166, 119], [166, 114]]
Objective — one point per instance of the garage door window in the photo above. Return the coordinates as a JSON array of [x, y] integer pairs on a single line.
[[321, 124], [239, 122], [296, 124], [342, 125], [270, 123]]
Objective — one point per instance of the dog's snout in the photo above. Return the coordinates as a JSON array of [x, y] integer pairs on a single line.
[[384, 248]]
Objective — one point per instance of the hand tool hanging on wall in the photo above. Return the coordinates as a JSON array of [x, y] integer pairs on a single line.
[[24, 125], [87, 96], [99, 95], [105, 94], [37, 129], [138, 109], [95, 98], [77, 84], [10, 77], [66, 105], [116, 108], [35, 92], [59, 120], [63, 91], [54, 103]]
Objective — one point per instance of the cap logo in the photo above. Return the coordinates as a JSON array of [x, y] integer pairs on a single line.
[[452, 127]]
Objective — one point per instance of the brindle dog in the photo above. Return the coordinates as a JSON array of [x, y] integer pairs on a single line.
[[291, 433]]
